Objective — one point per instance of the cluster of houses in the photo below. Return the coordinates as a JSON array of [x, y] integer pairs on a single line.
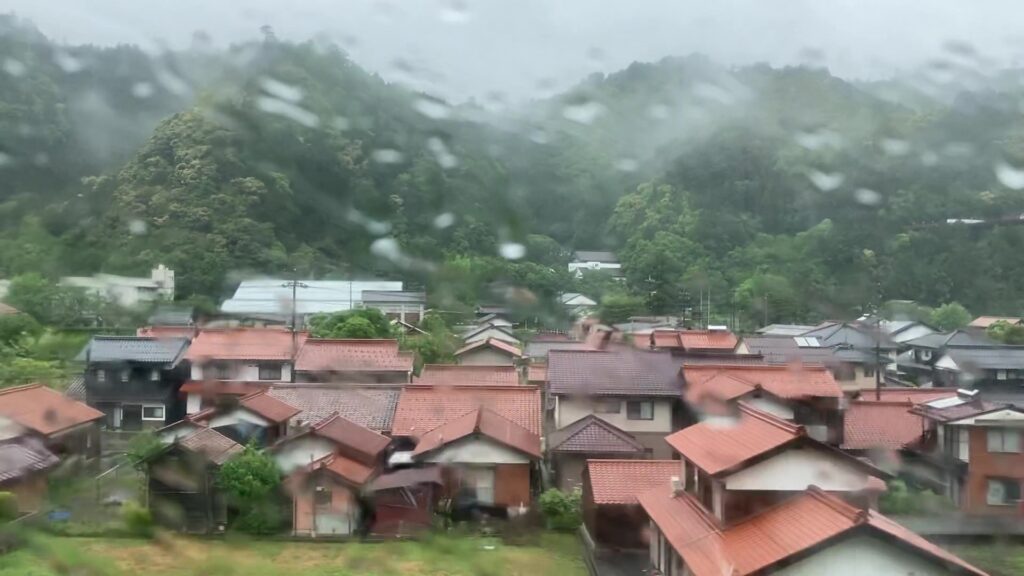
[[717, 454]]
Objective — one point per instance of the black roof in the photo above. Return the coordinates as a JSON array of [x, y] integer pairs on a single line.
[[134, 349]]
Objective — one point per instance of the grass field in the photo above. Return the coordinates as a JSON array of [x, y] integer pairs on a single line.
[[998, 559], [556, 554]]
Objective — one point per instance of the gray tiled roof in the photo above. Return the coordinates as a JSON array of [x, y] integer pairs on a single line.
[[22, 456], [395, 297], [954, 338], [622, 371], [373, 408], [595, 256], [988, 357], [133, 349], [591, 434], [784, 349], [541, 349], [856, 336]]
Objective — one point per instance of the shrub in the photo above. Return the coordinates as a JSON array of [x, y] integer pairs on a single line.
[[141, 447], [561, 509], [8, 506], [899, 499], [252, 480], [138, 521]]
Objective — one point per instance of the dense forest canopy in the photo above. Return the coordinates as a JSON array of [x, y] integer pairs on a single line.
[[784, 194]]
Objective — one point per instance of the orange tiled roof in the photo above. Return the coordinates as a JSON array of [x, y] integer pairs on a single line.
[[464, 374], [423, 408], [987, 321], [339, 355], [484, 422], [909, 395], [722, 340], [884, 424], [347, 469], [492, 343], [810, 519], [715, 446], [690, 530], [268, 407], [243, 344], [537, 373], [728, 381], [623, 481], [44, 410], [362, 443]]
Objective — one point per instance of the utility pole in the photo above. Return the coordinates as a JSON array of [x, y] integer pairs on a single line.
[[294, 284], [765, 308]]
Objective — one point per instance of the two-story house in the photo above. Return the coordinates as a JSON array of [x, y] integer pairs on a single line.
[[996, 370], [238, 362], [135, 380], [614, 403], [917, 362], [806, 395], [978, 446], [859, 351]]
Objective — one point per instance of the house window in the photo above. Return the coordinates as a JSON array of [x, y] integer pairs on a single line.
[[1003, 440], [153, 412], [607, 406], [1000, 374], [963, 444], [869, 371], [640, 410], [926, 354], [323, 496], [221, 371], [480, 482], [1002, 491], [154, 375], [125, 375], [270, 371], [101, 376]]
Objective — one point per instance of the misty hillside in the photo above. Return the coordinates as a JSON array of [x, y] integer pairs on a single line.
[[276, 157]]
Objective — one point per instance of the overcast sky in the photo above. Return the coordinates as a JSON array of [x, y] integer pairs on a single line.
[[520, 49]]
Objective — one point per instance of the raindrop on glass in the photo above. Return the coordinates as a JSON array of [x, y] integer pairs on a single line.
[[288, 110], [281, 90], [540, 136], [444, 157], [627, 165], [142, 90], [67, 62], [444, 220], [387, 156], [867, 197], [895, 146], [454, 12], [14, 67], [386, 248], [137, 227], [512, 250], [5, 159], [1010, 176], [432, 108], [826, 182], [584, 113], [658, 111], [341, 123]]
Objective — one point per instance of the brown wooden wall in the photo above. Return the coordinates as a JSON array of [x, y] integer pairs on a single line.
[[512, 484]]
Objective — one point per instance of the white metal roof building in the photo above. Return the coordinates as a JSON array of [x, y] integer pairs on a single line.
[[271, 297]]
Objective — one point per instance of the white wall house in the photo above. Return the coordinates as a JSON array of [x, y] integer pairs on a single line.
[[125, 290], [589, 260]]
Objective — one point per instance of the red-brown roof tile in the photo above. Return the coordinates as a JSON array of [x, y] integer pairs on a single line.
[[888, 425], [243, 344], [423, 408], [491, 343], [689, 529], [44, 410], [909, 395], [349, 355], [729, 381], [718, 340], [593, 435], [623, 481], [464, 374], [717, 445], [357, 442], [810, 519], [373, 407], [211, 444], [483, 422], [268, 407], [349, 470], [211, 388], [537, 373]]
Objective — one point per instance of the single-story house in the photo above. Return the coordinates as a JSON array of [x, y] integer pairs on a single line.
[[66, 427], [24, 464], [490, 352], [612, 514], [258, 417]]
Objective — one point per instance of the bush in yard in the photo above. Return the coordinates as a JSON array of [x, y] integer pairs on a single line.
[[561, 509], [251, 480], [138, 521], [141, 447], [8, 506]]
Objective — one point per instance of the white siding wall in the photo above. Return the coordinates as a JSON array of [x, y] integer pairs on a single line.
[[572, 409], [797, 469], [771, 406], [248, 371], [862, 555], [301, 452], [485, 357], [477, 451]]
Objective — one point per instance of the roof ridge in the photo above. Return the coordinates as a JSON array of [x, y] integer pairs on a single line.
[[857, 515], [882, 402], [329, 340], [21, 388], [771, 419], [634, 460]]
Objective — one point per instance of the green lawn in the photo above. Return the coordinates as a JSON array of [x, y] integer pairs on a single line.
[[998, 559], [556, 554]]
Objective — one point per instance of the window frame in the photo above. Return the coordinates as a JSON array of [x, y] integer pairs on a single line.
[[1006, 483], [601, 406], [101, 376], [163, 412], [1003, 435], [270, 366], [221, 371], [638, 415], [125, 375], [1001, 374]]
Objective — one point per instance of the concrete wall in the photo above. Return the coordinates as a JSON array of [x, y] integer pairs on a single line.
[[861, 555], [485, 357], [797, 469], [571, 409]]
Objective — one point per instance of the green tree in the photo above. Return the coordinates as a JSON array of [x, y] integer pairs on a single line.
[[16, 327], [1003, 331], [768, 298], [617, 308], [950, 316], [363, 323], [252, 480], [561, 509]]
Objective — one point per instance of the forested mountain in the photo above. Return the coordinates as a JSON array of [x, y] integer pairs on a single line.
[[791, 186]]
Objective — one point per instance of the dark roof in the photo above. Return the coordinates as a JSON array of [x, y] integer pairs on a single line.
[[171, 317], [541, 349], [618, 371], [134, 349], [591, 434], [23, 456], [785, 349], [394, 297], [955, 338], [853, 335], [988, 357], [949, 410], [365, 443], [371, 407], [595, 256]]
